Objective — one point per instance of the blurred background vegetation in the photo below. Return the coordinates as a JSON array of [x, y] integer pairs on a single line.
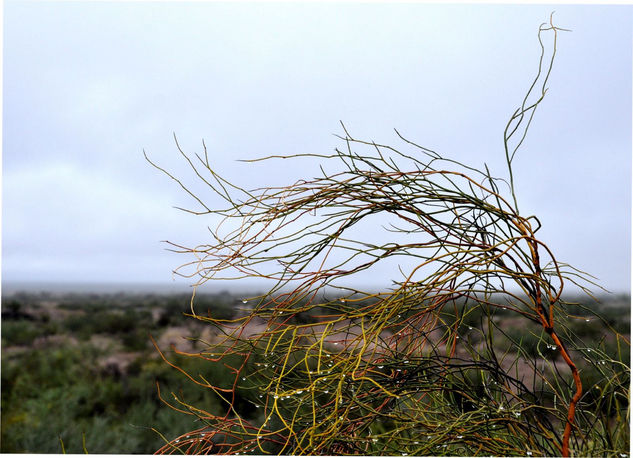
[[81, 367]]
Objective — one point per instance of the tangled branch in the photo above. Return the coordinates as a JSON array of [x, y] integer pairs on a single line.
[[417, 369]]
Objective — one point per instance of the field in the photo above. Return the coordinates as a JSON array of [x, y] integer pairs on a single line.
[[80, 372], [81, 367]]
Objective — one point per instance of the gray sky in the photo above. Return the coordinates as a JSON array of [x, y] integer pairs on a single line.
[[88, 85]]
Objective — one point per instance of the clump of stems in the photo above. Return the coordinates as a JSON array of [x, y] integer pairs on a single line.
[[417, 369]]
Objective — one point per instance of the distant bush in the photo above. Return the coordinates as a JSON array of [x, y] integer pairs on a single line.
[[112, 323], [12, 310], [25, 332]]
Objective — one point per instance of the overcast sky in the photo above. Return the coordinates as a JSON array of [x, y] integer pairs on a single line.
[[89, 85]]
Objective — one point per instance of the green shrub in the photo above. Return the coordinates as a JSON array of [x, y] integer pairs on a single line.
[[25, 332], [63, 392]]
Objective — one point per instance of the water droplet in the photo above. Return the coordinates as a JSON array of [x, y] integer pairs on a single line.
[[243, 378], [529, 453], [470, 327], [416, 443], [326, 391], [374, 440], [460, 437], [587, 319], [275, 396], [259, 437], [404, 454], [335, 343], [380, 367], [406, 361], [299, 391], [256, 406], [517, 414], [177, 440]]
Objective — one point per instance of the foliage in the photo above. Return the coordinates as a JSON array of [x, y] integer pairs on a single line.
[[416, 369], [56, 387]]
